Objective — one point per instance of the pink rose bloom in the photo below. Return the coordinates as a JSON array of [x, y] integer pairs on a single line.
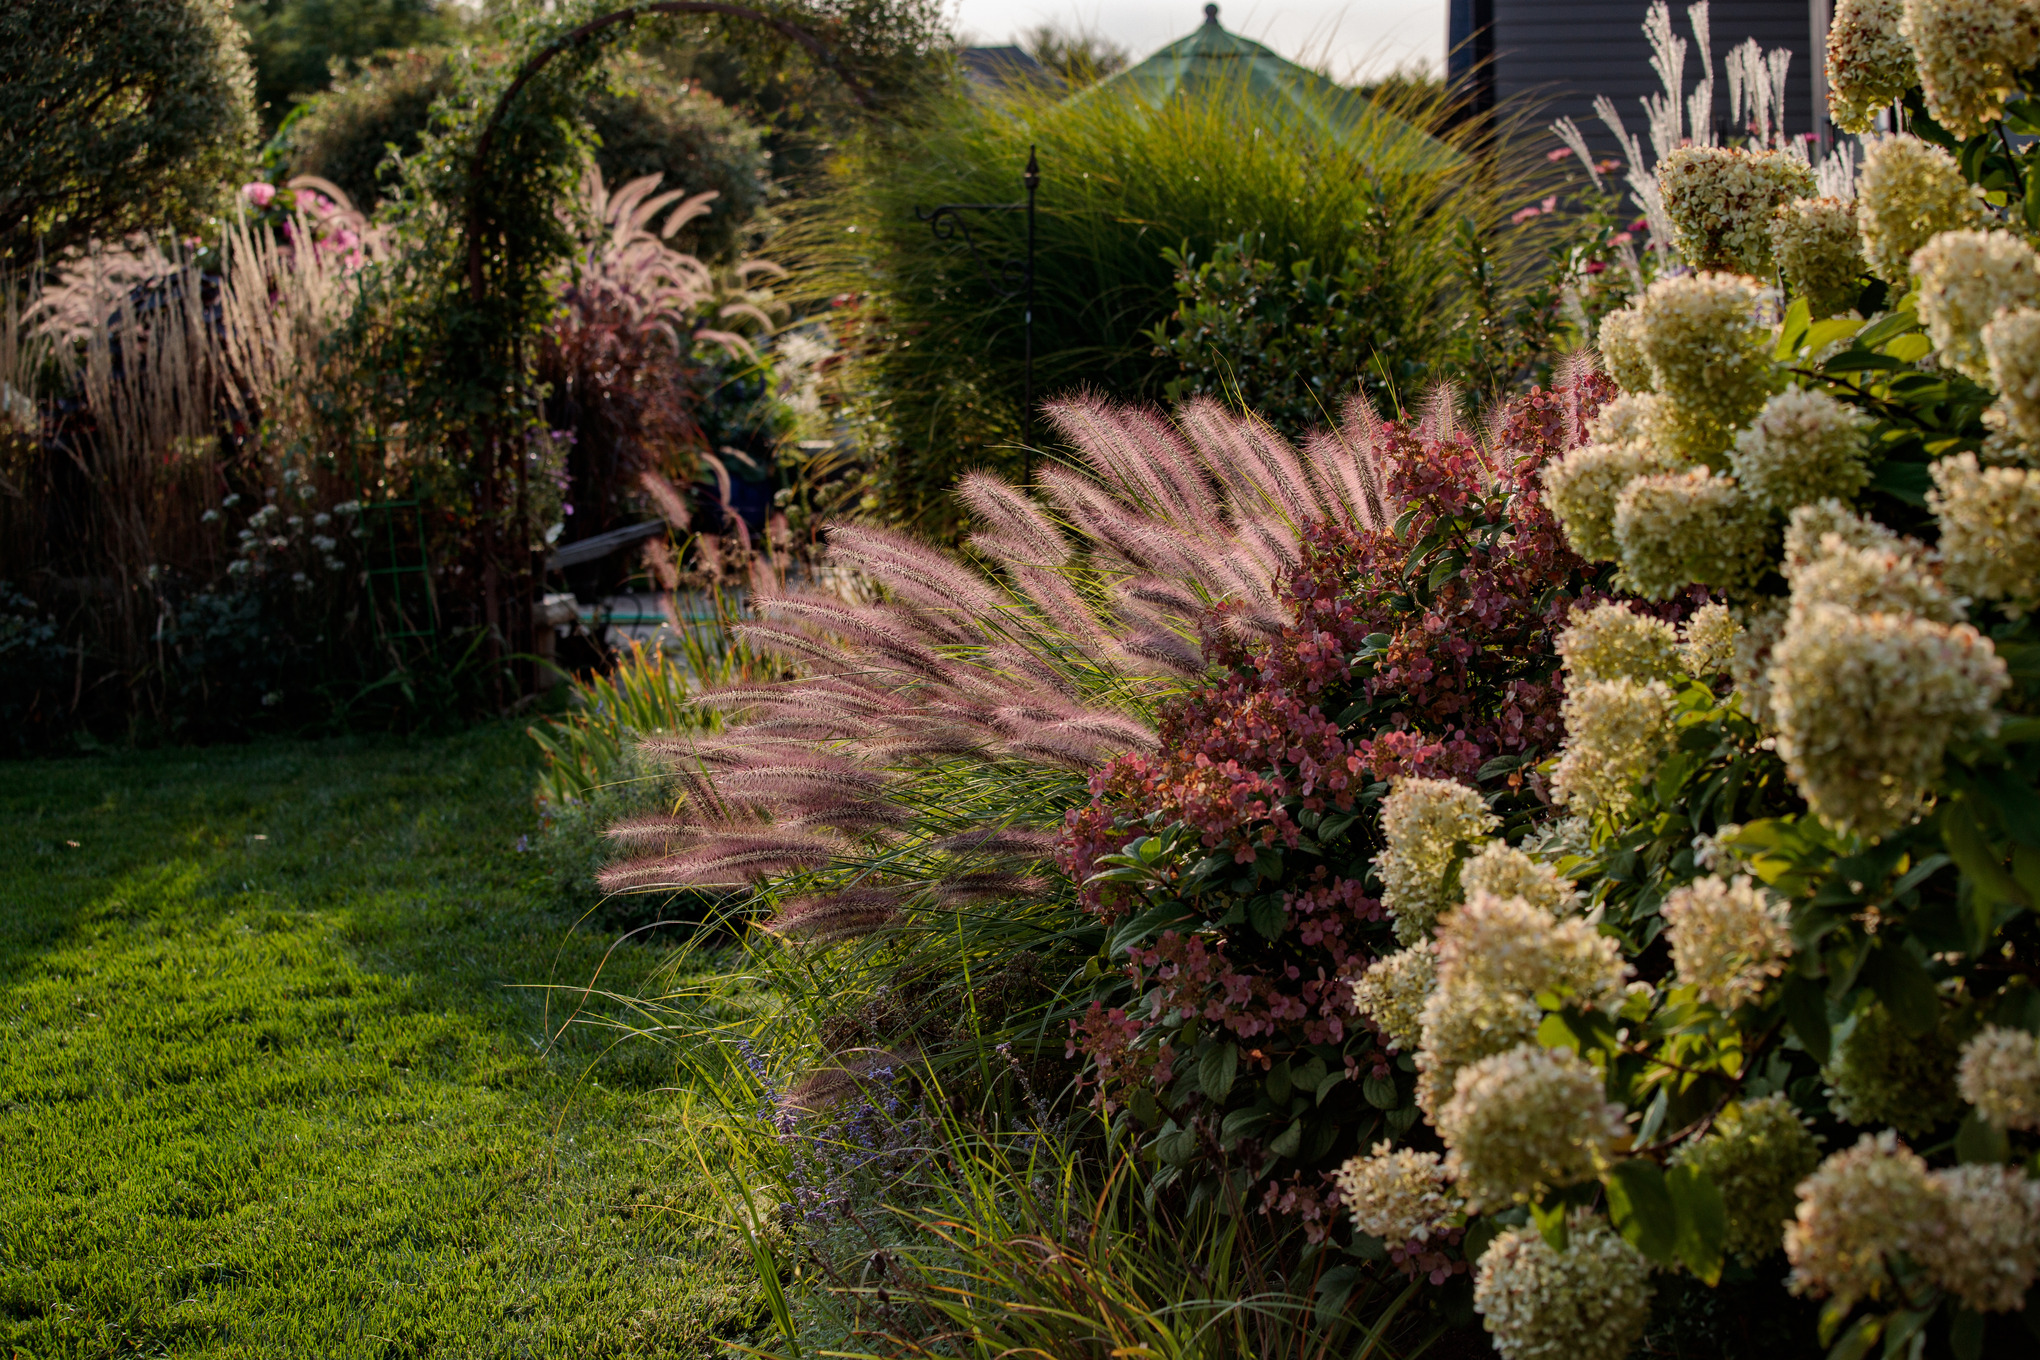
[[258, 193]]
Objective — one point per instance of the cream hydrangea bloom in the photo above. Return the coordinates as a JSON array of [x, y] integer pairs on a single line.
[[1525, 1122], [1970, 53], [1621, 344], [1720, 200], [1865, 705], [1877, 580], [1806, 533], [2011, 347], [1990, 530], [1695, 527], [1621, 420], [1869, 62], [1501, 870], [1463, 1024], [1880, 1073], [1908, 193], [1709, 348], [1392, 993], [1728, 938], [2000, 1076], [1803, 446], [1505, 944], [1750, 668], [1617, 732], [1756, 1154], [1396, 1194], [1988, 1245], [1588, 1302], [1707, 640], [1429, 825], [1612, 641], [1965, 280], [1860, 1207], [1820, 252], [1582, 487]]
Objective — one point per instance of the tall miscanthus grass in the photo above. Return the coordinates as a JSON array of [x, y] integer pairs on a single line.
[[1121, 182]]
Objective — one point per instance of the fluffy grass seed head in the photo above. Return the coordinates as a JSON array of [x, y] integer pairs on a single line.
[[1855, 1211], [2011, 347], [1429, 825], [1990, 530], [1906, 194], [1869, 62], [1621, 344], [1970, 54], [1880, 1074], [1820, 253], [1756, 1154], [1803, 446], [1709, 347], [1720, 200], [1966, 279], [1617, 732], [1582, 487], [1526, 1122], [1686, 528], [1396, 1194], [1505, 944], [1707, 640], [1392, 993], [1988, 1247], [1501, 870], [1612, 641], [2000, 1076], [1864, 706], [1729, 938], [1588, 1302]]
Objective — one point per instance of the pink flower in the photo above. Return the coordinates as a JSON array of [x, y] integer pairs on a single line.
[[1620, 238], [258, 193], [1595, 267], [1609, 166], [1640, 224], [1559, 154], [1522, 215], [1550, 204]]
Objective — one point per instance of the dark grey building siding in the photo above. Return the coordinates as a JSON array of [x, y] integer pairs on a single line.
[[1557, 55]]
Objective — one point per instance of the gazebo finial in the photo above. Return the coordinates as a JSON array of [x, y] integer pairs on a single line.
[[1211, 14]]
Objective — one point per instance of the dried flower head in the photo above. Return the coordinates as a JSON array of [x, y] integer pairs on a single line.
[[1865, 705], [1429, 825], [1707, 640], [1709, 348], [1880, 1074], [1869, 62], [1820, 253], [1686, 528], [1855, 1212], [1803, 446], [1756, 1154], [1581, 490], [1526, 1122], [1621, 345], [1588, 1302], [2011, 348], [1398, 1196], [1966, 279], [1970, 53], [1988, 1246], [1990, 530], [1617, 732], [1504, 944], [1501, 870], [2000, 1076], [1392, 993], [1728, 938], [1612, 641], [1721, 199], [1907, 194]]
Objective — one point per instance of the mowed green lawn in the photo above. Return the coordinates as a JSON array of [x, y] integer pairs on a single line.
[[272, 1083]]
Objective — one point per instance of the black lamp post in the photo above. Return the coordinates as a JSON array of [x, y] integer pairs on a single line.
[[1011, 278]]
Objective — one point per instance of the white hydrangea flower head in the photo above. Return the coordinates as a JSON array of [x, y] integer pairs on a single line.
[[2011, 348], [1686, 528], [1526, 1122], [1396, 1194], [1617, 733], [1720, 200], [1392, 993], [1429, 825], [2000, 1076], [1620, 340], [1750, 668], [1709, 347], [1988, 1246], [1906, 194], [1612, 641], [1707, 640], [1501, 870], [1820, 253], [1729, 938], [1990, 530], [1970, 53], [1803, 446], [1621, 420], [1862, 1206], [1462, 1025], [1865, 705], [1881, 580], [1582, 487], [1808, 529], [1869, 62], [1588, 1302], [1505, 944], [1756, 1154], [1965, 280]]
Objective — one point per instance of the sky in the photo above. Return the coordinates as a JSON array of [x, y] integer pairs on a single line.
[[1356, 37]]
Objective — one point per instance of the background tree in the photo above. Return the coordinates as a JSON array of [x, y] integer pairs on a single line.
[[294, 43], [117, 115], [1079, 56]]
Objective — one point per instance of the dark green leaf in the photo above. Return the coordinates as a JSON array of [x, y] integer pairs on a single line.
[[1903, 481], [1975, 855], [1857, 1341], [1380, 1092], [1904, 987], [1216, 1070], [1267, 916], [2016, 804], [1703, 1222], [1981, 1142], [1642, 1210], [1289, 1140], [1965, 1332], [1479, 1234]]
